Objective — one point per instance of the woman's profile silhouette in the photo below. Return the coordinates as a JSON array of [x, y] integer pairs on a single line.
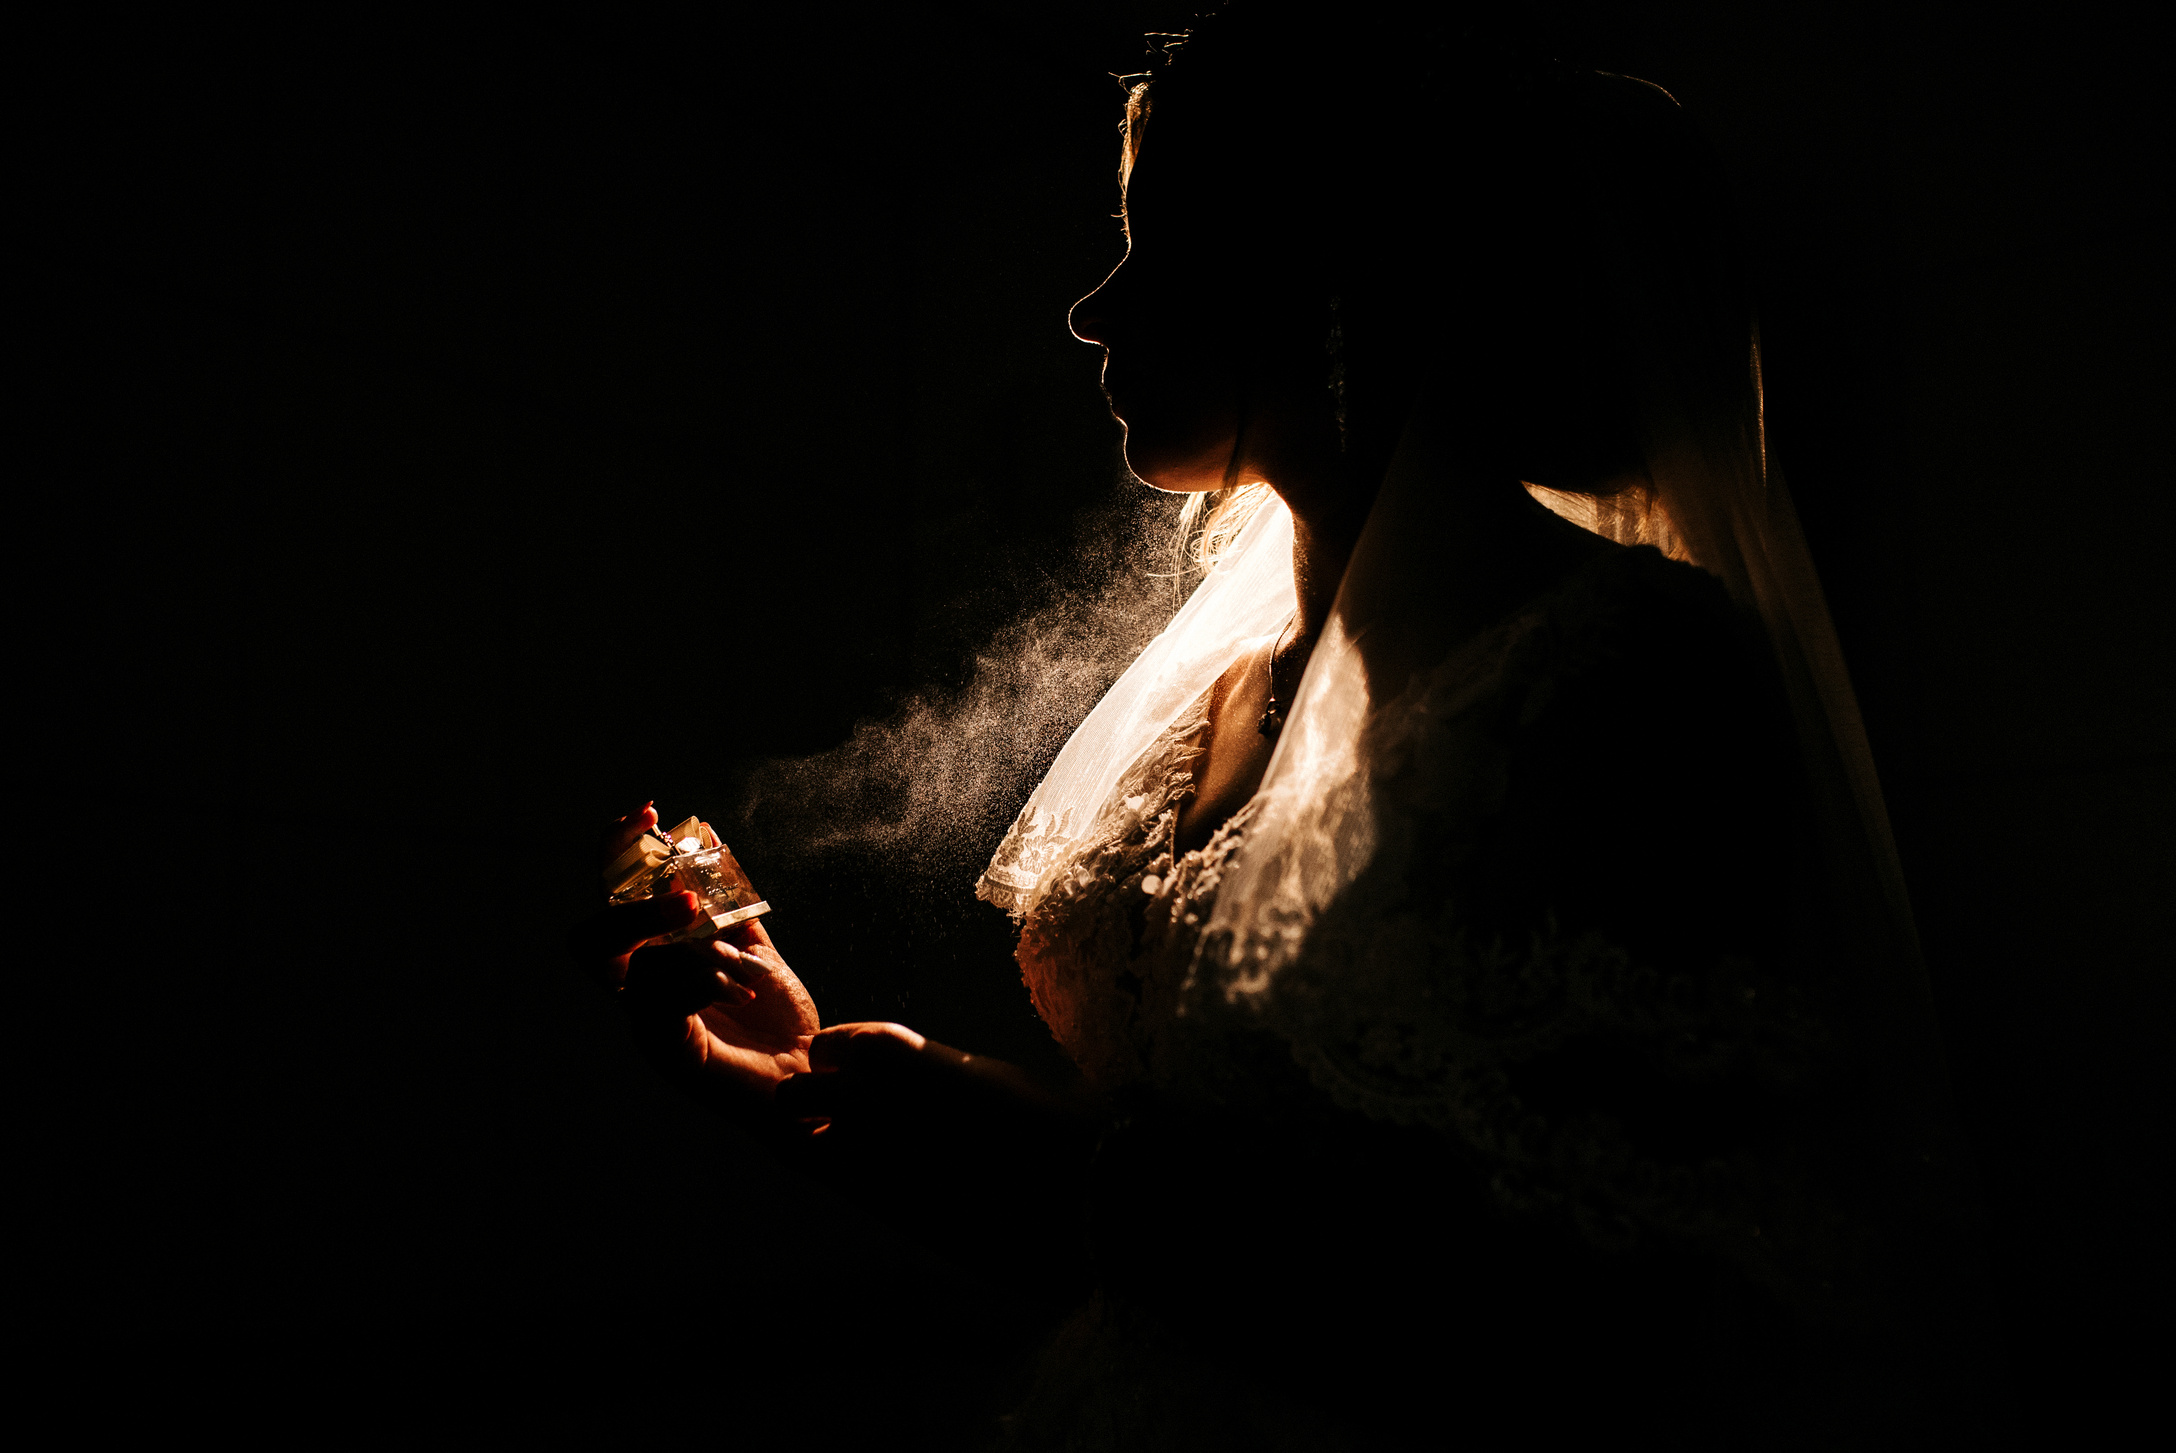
[[1474, 918]]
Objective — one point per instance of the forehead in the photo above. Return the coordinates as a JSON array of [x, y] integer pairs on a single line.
[[1180, 173]]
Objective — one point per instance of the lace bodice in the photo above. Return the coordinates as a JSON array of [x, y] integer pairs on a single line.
[[1573, 969], [1106, 951], [1561, 1049]]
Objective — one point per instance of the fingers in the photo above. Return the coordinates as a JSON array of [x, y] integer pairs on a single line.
[[749, 979], [870, 1074], [753, 965], [737, 964], [847, 1063], [749, 933], [854, 1046], [728, 967], [621, 834], [676, 980], [624, 927]]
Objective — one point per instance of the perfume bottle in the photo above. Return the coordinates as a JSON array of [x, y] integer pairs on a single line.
[[689, 858]]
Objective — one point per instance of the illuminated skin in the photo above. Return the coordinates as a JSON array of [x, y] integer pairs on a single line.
[[730, 1021], [1186, 302], [760, 1021], [1183, 304], [1164, 333], [1167, 318]]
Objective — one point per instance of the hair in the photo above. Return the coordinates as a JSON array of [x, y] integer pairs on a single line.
[[1453, 181], [1209, 524]]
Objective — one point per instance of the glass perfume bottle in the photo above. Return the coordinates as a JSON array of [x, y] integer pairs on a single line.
[[689, 858]]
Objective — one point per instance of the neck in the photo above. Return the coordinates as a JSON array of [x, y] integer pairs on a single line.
[[1322, 544], [1499, 543]]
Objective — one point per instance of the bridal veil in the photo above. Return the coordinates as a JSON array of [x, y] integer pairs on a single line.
[[1290, 931]]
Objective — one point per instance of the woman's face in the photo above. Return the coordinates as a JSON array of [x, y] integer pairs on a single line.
[[1221, 311], [1208, 310]]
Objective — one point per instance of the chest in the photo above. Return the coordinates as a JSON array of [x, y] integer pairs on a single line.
[[1235, 753]]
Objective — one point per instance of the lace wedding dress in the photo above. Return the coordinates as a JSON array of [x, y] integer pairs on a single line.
[[1603, 785], [1558, 985], [1565, 1002]]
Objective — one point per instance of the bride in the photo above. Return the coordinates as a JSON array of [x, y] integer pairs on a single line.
[[1474, 918]]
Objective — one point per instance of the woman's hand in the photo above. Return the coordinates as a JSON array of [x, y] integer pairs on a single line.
[[960, 1151], [725, 1012], [885, 1080], [870, 1073]]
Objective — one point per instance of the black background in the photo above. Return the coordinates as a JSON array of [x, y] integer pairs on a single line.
[[490, 421]]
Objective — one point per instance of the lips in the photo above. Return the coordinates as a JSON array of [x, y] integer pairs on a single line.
[[1113, 394]]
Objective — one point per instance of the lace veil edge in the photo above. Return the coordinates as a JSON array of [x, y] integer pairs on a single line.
[[1247, 595]]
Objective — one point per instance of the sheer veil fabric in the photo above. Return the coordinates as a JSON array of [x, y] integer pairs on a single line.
[[1248, 595], [1713, 501], [1294, 942], [1323, 820]]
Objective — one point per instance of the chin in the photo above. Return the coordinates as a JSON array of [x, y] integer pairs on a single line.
[[1176, 481], [1175, 467]]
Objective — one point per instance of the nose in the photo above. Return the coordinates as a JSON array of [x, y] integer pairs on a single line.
[[1091, 317], [1086, 320]]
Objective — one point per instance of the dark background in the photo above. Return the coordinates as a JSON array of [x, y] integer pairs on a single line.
[[493, 420]]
